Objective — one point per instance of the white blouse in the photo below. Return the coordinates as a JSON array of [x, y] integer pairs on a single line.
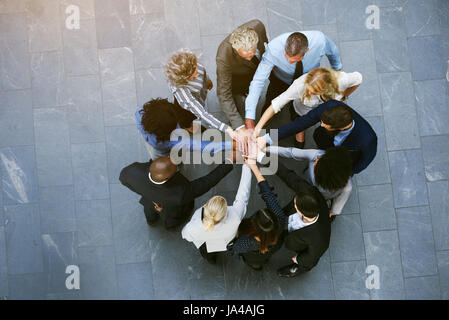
[[226, 230], [296, 90]]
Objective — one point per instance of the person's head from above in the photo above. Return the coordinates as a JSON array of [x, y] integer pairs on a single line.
[[322, 82], [159, 118], [244, 40], [333, 169], [337, 118], [262, 226], [214, 211], [306, 205], [296, 47], [181, 67], [162, 169]]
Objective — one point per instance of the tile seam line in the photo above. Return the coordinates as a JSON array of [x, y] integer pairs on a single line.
[[141, 142], [34, 161], [433, 239], [100, 74]]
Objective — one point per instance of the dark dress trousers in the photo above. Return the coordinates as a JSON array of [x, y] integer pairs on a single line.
[[361, 142], [176, 196], [234, 73], [312, 241]]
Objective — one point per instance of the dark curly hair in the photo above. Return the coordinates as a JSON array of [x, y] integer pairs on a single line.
[[159, 118], [333, 169]]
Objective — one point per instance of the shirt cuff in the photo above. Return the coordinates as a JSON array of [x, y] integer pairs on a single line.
[[268, 138], [227, 145], [260, 156], [250, 114], [275, 105], [225, 127]]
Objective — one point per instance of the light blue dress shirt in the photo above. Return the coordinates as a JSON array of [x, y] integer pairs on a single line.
[[339, 138], [274, 59], [163, 148]]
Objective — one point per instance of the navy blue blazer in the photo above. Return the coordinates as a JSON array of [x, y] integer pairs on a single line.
[[362, 138]]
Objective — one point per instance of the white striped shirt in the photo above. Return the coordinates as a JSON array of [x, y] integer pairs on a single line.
[[192, 97]]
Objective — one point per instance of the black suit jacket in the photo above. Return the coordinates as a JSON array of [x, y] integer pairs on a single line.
[[362, 138], [312, 241], [176, 196]]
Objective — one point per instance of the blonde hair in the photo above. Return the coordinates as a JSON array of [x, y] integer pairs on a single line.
[[214, 211], [180, 67], [322, 81], [244, 38]]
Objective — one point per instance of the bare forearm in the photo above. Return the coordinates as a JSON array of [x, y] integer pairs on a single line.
[[267, 115], [350, 90], [256, 172]]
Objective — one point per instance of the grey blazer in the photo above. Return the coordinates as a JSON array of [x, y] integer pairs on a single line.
[[234, 74]]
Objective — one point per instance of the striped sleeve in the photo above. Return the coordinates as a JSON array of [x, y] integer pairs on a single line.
[[272, 203], [203, 69], [188, 102]]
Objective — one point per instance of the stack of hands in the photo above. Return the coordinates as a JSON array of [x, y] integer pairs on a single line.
[[248, 144]]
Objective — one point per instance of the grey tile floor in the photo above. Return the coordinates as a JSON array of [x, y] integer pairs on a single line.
[[67, 102]]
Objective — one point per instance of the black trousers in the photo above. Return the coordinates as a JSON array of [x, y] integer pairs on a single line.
[[257, 258], [275, 88], [211, 257]]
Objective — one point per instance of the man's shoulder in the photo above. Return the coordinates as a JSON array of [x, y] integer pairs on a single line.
[[255, 23], [279, 41], [363, 127], [314, 35], [225, 50], [178, 179]]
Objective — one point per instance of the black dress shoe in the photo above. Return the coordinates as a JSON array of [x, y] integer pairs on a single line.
[[299, 145], [212, 260], [289, 271], [255, 267], [151, 223]]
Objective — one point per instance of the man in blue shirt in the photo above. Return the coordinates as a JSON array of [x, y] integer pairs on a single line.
[[286, 58]]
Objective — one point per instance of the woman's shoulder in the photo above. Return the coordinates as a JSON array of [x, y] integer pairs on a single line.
[[352, 78]]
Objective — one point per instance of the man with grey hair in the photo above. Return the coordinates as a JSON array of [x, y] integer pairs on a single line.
[[286, 58], [237, 59]]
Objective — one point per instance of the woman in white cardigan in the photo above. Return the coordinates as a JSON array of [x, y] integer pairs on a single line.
[[330, 171], [311, 90], [215, 224]]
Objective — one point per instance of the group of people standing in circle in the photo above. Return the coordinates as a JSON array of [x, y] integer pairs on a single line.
[[345, 145]]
